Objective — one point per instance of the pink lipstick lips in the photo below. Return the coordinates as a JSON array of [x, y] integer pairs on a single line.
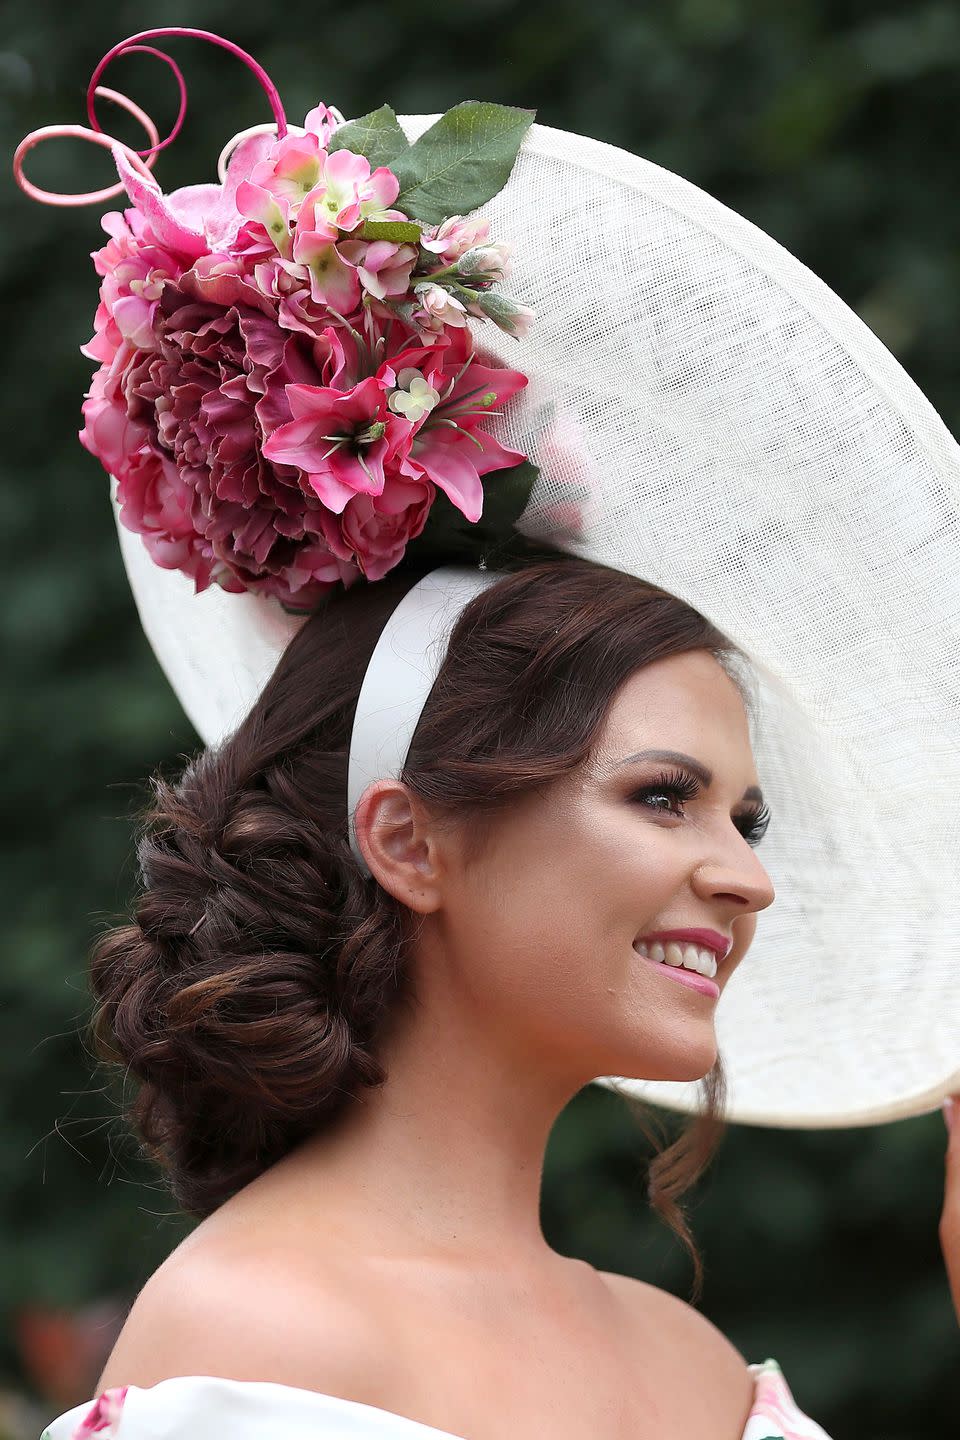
[[687, 977]]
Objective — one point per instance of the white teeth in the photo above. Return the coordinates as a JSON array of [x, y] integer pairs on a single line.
[[691, 957]]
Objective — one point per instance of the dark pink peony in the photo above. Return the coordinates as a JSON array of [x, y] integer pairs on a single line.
[[182, 427]]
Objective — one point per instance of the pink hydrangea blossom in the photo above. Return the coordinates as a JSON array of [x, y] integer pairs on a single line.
[[322, 122], [133, 275], [271, 211], [383, 267], [347, 191], [332, 280], [292, 168]]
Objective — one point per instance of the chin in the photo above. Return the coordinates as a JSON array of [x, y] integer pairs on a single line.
[[693, 1064]]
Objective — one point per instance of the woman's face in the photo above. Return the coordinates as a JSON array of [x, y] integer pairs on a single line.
[[536, 935]]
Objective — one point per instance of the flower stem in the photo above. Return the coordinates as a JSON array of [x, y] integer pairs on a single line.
[[432, 274]]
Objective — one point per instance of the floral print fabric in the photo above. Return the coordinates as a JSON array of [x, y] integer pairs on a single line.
[[102, 1418], [775, 1414]]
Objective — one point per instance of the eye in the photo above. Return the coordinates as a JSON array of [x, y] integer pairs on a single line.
[[681, 787], [676, 783]]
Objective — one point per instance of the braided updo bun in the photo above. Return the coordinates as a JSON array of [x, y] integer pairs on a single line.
[[260, 967]]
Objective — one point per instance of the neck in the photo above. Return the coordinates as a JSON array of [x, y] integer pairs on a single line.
[[444, 1161]]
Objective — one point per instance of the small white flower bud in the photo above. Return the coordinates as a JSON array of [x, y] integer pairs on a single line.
[[490, 261], [506, 314]]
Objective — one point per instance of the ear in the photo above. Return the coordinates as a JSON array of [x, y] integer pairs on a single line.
[[395, 838]]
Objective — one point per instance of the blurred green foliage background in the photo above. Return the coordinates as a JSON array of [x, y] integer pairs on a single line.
[[835, 128]]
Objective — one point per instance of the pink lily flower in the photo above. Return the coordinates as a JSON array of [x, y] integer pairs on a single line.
[[339, 439], [452, 462], [454, 456]]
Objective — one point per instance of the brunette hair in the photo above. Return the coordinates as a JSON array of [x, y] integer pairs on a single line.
[[261, 964]]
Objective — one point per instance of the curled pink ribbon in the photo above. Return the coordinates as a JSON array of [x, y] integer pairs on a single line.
[[143, 160]]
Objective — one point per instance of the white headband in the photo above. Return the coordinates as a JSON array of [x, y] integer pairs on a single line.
[[399, 677]]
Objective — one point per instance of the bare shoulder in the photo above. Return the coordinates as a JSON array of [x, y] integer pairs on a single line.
[[684, 1321], [722, 1370], [248, 1317]]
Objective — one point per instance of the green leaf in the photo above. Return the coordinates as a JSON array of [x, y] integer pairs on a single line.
[[378, 136], [401, 231], [450, 538], [463, 160]]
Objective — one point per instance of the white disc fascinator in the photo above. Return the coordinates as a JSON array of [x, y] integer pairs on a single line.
[[733, 433]]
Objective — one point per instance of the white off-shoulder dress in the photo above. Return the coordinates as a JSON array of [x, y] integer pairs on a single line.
[[206, 1407]]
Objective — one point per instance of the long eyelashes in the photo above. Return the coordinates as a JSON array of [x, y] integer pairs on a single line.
[[682, 786]]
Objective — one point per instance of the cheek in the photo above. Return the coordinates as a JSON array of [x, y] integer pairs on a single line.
[[530, 938], [549, 988], [575, 893], [549, 919], [620, 840], [556, 951]]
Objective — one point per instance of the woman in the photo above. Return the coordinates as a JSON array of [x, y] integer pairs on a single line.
[[394, 1252], [354, 1023]]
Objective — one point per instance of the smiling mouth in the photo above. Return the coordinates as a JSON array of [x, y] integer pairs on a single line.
[[693, 959], [692, 979]]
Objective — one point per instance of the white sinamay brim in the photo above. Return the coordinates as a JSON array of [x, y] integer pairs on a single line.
[[752, 447]]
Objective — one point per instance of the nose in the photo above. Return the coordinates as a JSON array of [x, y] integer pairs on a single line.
[[742, 879]]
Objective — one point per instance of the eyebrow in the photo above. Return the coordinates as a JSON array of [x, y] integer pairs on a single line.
[[704, 775]]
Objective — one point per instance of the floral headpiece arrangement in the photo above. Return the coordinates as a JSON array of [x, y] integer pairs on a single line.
[[287, 375]]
